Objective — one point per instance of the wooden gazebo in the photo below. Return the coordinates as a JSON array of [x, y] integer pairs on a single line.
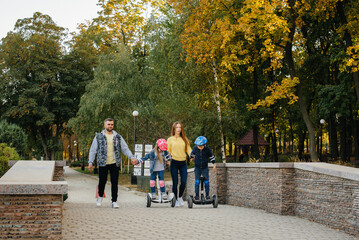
[[248, 141]]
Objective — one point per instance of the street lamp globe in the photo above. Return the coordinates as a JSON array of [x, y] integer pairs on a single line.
[[135, 113], [322, 121]]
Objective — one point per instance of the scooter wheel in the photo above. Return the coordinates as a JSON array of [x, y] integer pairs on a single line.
[[190, 201], [148, 198], [215, 201], [173, 202]]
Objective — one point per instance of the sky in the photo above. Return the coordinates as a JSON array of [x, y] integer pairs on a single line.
[[65, 13]]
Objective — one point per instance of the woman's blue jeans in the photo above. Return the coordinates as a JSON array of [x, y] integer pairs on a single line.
[[181, 168]]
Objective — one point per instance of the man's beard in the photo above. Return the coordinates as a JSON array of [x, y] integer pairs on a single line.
[[108, 130]]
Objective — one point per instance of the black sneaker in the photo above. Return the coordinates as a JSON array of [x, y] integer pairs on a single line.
[[196, 198], [208, 197]]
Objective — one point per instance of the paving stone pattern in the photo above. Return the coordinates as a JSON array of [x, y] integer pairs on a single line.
[[133, 220]]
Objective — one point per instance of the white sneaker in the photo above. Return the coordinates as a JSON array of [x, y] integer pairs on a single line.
[[153, 196], [177, 203], [164, 196], [98, 202], [114, 205], [180, 201]]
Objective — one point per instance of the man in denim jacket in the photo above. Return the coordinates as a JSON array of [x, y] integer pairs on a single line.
[[108, 145]]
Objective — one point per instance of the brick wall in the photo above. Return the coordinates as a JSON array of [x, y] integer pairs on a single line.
[[328, 200], [59, 173], [255, 188], [325, 193], [30, 216], [33, 209]]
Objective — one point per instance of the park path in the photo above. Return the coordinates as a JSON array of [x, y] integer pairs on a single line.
[[133, 220]]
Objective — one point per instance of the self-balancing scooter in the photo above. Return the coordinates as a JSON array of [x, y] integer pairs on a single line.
[[202, 200], [170, 199]]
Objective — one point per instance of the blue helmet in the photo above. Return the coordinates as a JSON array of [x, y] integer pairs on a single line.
[[200, 141]]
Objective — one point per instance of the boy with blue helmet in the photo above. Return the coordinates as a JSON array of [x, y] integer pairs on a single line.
[[201, 154]]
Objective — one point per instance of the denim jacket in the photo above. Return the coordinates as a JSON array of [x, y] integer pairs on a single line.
[[152, 156], [201, 157], [99, 148]]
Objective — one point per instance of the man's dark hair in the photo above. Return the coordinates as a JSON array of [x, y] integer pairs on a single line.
[[108, 120]]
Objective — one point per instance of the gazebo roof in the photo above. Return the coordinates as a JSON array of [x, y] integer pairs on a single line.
[[248, 139]]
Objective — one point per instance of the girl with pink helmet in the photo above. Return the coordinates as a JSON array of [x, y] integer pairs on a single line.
[[158, 157]]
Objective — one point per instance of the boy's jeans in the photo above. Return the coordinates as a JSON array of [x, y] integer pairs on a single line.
[[197, 174]]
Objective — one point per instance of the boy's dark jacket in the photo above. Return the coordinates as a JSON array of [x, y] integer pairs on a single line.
[[201, 157]]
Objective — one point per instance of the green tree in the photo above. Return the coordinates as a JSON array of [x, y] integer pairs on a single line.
[[14, 136], [116, 89], [40, 84]]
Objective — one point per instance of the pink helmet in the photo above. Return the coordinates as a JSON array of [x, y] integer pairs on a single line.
[[162, 144]]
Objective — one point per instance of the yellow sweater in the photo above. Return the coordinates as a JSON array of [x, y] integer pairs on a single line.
[[176, 147]]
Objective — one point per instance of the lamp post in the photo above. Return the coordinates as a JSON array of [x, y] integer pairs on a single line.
[[322, 121], [75, 144], [69, 148], [133, 178], [134, 114], [279, 140]]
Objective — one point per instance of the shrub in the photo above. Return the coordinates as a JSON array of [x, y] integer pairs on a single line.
[[6, 154], [14, 136]]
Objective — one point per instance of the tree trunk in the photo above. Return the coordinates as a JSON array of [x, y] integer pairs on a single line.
[[291, 136], [280, 150], [255, 139], [255, 126], [290, 61], [285, 140], [333, 139], [267, 148], [356, 143], [302, 136], [343, 139], [235, 153], [219, 115], [43, 143], [274, 139], [318, 143]]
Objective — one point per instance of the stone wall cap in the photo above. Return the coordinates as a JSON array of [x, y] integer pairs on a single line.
[[58, 163], [30, 171], [261, 165], [330, 169], [15, 188]]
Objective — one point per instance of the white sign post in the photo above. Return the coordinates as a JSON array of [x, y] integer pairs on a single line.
[[138, 156], [146, 171]]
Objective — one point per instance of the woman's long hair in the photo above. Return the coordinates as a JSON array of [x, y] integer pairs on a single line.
[[182, 134]]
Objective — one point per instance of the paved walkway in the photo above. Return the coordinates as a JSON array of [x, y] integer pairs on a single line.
[[133, 220]]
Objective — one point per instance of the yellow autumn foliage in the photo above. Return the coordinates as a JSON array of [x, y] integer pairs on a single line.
[[285, 90]]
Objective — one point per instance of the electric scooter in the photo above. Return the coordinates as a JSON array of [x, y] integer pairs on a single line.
[[170, 198], [202, 200]]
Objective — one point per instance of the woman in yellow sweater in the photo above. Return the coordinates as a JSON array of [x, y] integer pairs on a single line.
[[178, 147]]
